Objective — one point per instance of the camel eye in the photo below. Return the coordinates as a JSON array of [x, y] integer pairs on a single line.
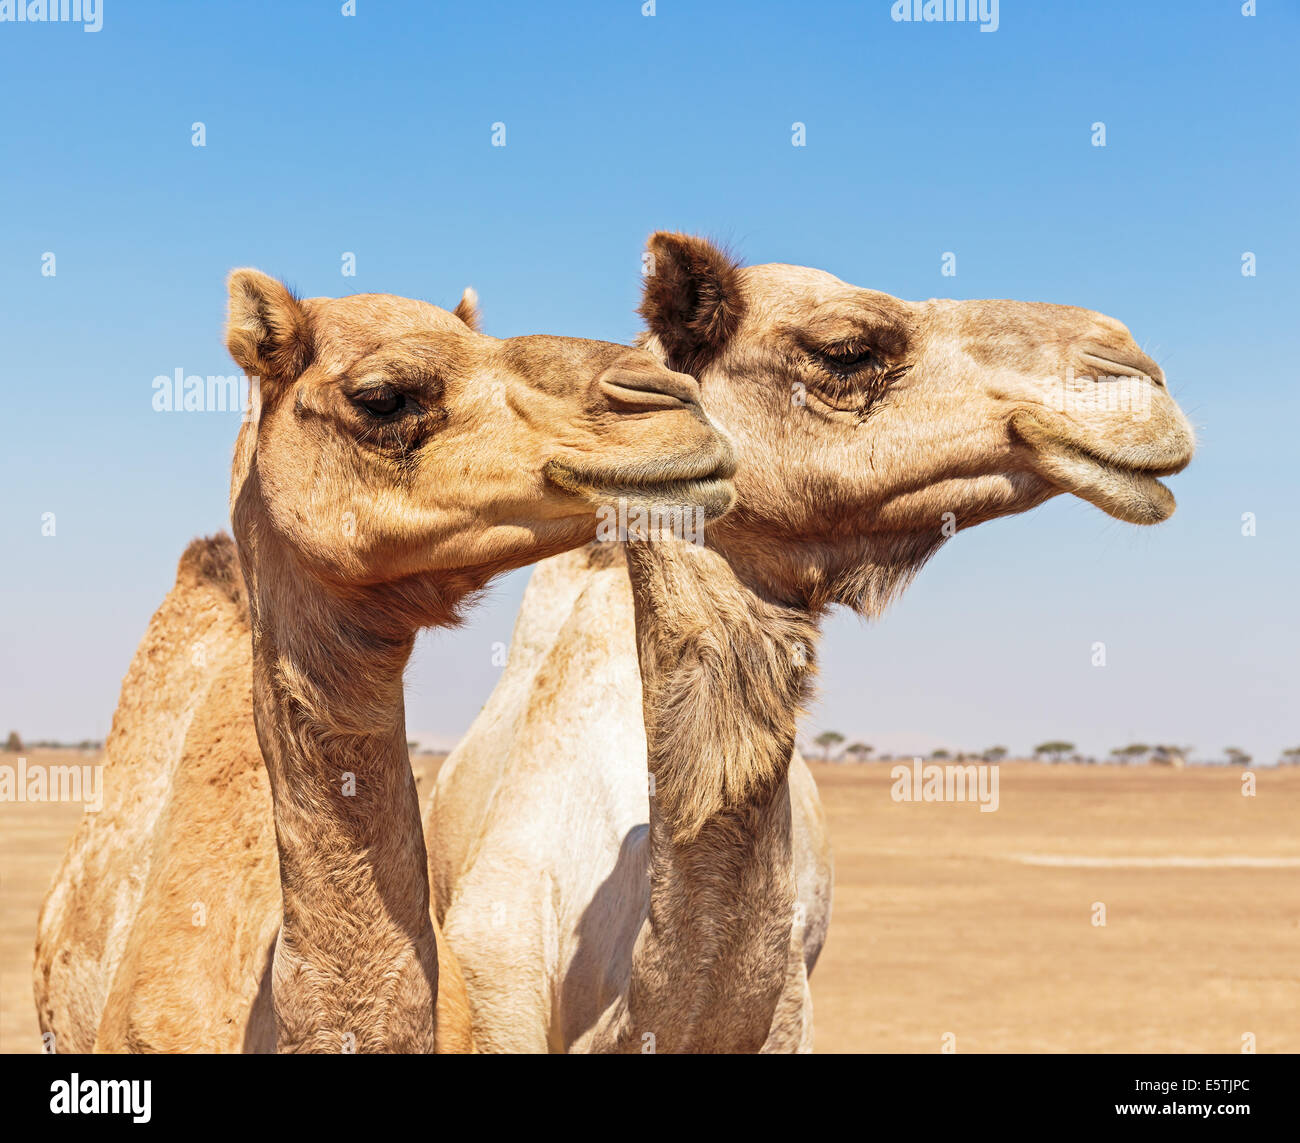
[[383, 403], [847, 356]]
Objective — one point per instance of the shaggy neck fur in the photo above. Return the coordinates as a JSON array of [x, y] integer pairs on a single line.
[[725, 676], [356, 965], [865, 573]]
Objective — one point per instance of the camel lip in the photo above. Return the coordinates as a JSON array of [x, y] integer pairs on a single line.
[[1125, 468], [1129, 492], [715, 496], [704, 476], [1030, 431], [710, 496]]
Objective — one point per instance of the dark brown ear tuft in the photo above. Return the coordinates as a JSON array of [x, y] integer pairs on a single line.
[[467, 309], [692, 300], [268, 332]]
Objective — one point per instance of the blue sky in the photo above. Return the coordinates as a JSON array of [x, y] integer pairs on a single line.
[[371, 134]]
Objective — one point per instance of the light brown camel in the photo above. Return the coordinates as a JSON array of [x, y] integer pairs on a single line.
[[685, 895], [397, 461]]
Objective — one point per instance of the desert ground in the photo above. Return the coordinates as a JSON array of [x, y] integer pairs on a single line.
[[969, 930]]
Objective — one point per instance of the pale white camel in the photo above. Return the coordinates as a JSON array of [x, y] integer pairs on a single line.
[[592, 911]]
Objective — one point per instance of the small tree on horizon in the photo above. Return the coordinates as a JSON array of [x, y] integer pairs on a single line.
[[14, 744], [1237, 757], [827, 739], [1054, 748], [859, 751], [994, 754]]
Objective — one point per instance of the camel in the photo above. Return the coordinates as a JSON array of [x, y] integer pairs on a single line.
[[397, 461], [632, 860]]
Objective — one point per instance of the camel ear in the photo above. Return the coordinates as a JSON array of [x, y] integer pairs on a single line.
[[692, 301], [268, 333], [467, 309]]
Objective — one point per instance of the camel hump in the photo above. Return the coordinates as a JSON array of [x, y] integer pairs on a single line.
[[213, 560]]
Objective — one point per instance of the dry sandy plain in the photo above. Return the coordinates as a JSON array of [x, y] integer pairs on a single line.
[[979, 926]]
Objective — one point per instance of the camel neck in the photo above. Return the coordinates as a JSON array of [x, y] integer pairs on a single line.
[[725, 674], [355, 964]]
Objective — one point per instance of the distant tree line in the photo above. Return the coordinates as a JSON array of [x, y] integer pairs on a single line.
[[14, 744], [1054, 750]]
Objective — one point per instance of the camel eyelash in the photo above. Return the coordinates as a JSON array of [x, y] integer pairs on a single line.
[[846, 348], [418, 387], [857, 390], [853, 359], [381, 401]]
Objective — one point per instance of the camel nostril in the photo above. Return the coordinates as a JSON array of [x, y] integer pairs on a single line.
[[1112, 364], [635, 390]]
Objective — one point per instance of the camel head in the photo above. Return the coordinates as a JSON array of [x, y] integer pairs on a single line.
[[869, 428], [392, 439]]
